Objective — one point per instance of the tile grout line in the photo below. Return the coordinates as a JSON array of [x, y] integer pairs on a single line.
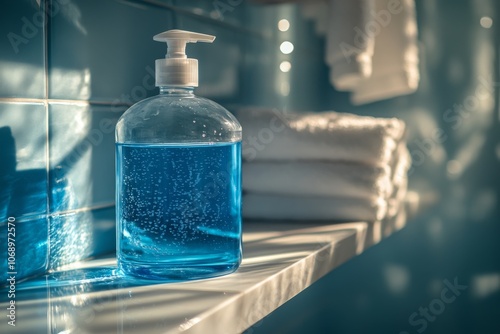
[[44, 8], [62, 101], [32, 217], [84, 209], [46, 49]]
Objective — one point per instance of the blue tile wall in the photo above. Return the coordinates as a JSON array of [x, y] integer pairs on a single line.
[[31, 247], [22, 59], [23, 168], [65, 83], [81, 146], [104, 50], [23, 186]]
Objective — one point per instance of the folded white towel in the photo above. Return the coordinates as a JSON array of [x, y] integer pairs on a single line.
[[269, 206], [349, 45], [265, 206], [398, 197], [371, 46], [317, 179], [329, 136], [395, 57], [292, 202]]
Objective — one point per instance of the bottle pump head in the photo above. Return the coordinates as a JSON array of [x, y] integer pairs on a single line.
[[176, 69]]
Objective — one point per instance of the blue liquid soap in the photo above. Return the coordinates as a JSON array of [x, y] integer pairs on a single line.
[[179, 210], [178, 182]]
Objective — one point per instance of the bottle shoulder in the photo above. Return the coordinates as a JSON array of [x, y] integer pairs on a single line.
[[176, 118]]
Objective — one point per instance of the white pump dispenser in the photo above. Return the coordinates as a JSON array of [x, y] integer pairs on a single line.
[[176, 69]]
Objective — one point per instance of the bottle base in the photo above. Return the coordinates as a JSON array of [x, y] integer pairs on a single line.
[[165, 272]]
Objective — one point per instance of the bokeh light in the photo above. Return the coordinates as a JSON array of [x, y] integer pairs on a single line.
[[286, 47], [283, 25], [285, 66]]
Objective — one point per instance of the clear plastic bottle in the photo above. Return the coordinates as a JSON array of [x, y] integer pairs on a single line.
[[178, 184]]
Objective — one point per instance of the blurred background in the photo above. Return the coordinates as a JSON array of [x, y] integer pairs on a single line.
[[69, 68]]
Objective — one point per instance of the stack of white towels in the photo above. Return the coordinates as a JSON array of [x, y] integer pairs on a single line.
[[322, 166], [371, 46]]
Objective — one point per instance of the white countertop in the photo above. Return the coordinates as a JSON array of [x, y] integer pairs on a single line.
[[279, 261]]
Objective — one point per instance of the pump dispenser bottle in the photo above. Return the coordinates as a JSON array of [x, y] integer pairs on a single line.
[[178, 183]]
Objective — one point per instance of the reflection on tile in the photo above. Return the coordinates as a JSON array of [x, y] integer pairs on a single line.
[[270, 248], [76, 236], [104, 231], [23, 187], [70, 154], [31, 248], [94, 58], [23, 176], [82, 307], [58, 240], [164, 309], [281, 260], [81, 155], [71, 238], [21, 50]]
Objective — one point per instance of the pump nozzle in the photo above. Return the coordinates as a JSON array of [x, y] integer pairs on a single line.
[[176, 69]]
